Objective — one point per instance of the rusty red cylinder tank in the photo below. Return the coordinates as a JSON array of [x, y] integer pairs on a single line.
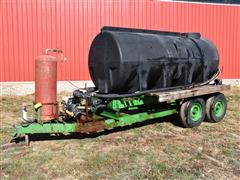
[[46, 86]]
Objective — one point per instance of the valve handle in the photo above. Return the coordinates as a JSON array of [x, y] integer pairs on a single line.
[[59, 51], [47, 51]]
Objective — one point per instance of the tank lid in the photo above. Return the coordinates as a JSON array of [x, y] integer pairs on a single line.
[[194, 35]]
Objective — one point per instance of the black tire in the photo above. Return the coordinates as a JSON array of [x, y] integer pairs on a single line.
[[216, 107], [188, 114]]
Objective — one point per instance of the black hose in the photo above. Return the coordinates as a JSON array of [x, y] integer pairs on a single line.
[[112, 96]]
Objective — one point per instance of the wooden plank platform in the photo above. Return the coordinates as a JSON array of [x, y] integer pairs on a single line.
[[198, 91]]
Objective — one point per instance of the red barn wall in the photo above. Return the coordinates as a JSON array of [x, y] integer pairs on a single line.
[[29, 26]]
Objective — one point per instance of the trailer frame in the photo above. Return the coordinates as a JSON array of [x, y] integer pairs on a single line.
[[122, 112]]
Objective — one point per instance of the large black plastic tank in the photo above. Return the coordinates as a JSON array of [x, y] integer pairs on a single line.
[[123, 60]]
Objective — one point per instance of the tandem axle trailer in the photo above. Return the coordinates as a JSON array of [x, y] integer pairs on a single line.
[[93, 114], [139, 75]]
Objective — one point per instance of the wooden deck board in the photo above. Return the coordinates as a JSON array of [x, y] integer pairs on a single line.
[[198, 91]]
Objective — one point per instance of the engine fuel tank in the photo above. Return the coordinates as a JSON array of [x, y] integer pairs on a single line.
[[123, 60], [46, 86]]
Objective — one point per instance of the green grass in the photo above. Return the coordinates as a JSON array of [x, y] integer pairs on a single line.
[[154, 151]]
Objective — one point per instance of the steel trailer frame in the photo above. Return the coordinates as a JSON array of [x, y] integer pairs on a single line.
[[120, 112]]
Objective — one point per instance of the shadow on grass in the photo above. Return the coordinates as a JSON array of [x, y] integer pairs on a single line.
[[174, 119]]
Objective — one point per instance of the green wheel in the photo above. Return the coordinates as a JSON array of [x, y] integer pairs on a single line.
[[192, 112], [216, 107]]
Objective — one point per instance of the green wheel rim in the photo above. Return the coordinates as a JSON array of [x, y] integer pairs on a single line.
[[218, 108], [196, 112]]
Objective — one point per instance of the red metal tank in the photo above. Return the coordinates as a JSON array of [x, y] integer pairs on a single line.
[[46, 86]]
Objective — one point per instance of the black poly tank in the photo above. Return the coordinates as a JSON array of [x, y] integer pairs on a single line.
[[123, 60]]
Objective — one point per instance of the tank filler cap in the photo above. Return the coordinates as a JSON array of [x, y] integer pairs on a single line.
[[194, 35]]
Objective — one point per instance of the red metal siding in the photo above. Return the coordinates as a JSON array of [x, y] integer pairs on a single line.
[[29, 26]]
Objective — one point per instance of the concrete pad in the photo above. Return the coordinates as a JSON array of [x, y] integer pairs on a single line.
[[24, 88]]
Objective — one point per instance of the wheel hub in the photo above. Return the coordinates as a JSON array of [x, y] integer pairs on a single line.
[[196, 112], [219, 108]]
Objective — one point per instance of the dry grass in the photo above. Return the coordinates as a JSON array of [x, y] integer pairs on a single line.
[[154, 151]]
